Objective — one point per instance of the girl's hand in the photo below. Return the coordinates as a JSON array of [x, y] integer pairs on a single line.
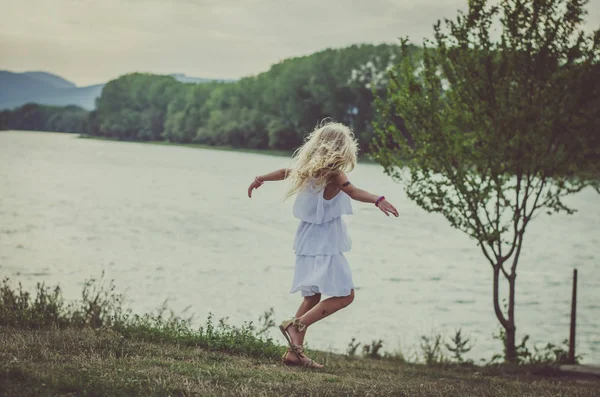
[[254, 185], [387, 208]]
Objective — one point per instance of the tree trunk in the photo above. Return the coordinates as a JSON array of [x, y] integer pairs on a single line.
[[509, 345], [511, 351]]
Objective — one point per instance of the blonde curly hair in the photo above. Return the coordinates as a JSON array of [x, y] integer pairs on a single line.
[[331, 148]]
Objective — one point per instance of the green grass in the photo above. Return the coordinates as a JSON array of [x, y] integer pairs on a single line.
[[105, 363], [93, 347]]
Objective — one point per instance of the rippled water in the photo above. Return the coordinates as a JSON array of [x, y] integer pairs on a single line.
[[174, 223]]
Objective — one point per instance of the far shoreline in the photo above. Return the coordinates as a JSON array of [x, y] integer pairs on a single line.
[[365, 159], [269, 152]]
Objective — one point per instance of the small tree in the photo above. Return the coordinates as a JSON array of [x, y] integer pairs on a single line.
[[460, 346], [490, 133]]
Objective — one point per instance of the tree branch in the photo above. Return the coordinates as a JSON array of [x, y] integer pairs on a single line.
[[497, 308], [474, 214], [517, 254], [541, 184], [516, 218]]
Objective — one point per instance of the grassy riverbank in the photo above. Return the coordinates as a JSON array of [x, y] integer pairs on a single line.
[[95, 347], [106, 363]]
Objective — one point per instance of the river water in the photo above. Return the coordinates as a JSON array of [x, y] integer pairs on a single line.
[[174, 223]]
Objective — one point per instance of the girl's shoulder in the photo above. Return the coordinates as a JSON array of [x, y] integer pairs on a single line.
[[340, 179]]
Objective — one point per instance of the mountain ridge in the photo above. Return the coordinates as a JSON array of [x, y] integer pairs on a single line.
[[17, 89]]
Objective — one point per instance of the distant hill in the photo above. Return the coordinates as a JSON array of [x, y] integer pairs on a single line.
[[50, 78], [17, 89]]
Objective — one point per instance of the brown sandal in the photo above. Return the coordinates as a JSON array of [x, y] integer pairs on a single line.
[[304, 360], [285, 361], [292, 322], [297, 350]]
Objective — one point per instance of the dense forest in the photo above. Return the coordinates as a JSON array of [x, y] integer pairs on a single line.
[[272, 110], [34, 117]]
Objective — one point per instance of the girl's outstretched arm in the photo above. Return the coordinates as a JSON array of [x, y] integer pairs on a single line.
[[278, 175], [362, 195]]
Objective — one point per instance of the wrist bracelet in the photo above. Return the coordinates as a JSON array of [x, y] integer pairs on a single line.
[[378, 200], [258, 180]]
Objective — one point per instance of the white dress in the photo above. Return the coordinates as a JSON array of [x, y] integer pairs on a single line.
[[321, 240]]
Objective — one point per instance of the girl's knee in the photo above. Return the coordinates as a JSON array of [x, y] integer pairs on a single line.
[[349, 298], [316, 298]]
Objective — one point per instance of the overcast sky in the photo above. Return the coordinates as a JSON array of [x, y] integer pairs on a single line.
[[92, 41]]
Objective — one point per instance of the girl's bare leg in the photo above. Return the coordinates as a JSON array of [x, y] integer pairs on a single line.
[[307, 304], [318, 312]]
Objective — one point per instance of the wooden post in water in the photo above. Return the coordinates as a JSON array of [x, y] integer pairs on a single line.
[[573, 319]]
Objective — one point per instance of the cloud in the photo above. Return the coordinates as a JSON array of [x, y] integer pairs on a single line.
[[91, 41]]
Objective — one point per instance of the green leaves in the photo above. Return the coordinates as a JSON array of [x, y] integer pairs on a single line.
[[490, 133], [34, 117], [274, 109], [487, 126], [134, 106]]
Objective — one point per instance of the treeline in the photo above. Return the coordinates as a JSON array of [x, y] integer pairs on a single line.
[[34, 117], [272, 110]]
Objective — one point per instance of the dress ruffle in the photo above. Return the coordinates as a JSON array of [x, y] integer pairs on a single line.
[[328, 238], [321, 240], [322, 274], [311, 207]]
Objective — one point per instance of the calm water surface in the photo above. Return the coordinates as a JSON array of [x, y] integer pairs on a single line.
[[174, 223]]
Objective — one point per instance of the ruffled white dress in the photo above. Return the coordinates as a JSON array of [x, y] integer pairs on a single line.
[[321, 240]]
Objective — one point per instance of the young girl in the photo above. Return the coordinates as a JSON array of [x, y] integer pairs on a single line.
[[323, 196]]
